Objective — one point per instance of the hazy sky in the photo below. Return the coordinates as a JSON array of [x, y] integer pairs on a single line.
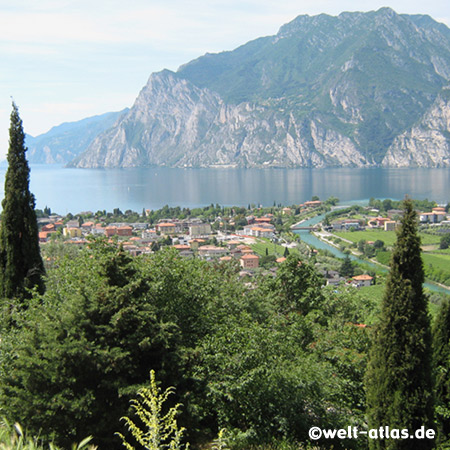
[[64, 60]]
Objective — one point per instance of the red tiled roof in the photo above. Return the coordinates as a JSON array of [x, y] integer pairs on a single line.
[[250, 257], [363, 277]]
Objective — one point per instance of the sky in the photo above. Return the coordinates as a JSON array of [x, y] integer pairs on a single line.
[[65, 60]]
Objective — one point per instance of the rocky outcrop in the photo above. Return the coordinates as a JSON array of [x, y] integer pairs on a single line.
[[359, 89], [427, 144], [175, 123]]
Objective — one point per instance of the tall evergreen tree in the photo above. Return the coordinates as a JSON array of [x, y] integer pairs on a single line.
[[398, 381], [347, 269], [21, 265], [441, 365]]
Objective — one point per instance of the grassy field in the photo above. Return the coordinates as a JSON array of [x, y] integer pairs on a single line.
[[436, 265], [388, 237], [273, 249], [440, 261]]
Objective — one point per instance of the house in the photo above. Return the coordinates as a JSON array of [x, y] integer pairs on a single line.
[[436, 215], [166, 228], [233, 244], [225, 258], [87, 226], [149, 235], [199, 229], [313, 204], [362, 280], [98, 230], [211, 251], [49, 227], [125, 231], [72, 232], [258, 231], [184, 250], [249, 262], [110, 231], [332, 278], [73, 224], [43, 236], [390, 225], [378, 222], [263, 220], [346, 225], [195, 243]]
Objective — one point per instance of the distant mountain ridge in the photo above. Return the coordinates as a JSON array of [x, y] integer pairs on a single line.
[[64, 142], [359, 89]]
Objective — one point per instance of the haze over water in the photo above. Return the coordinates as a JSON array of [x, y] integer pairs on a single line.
[[76, 190]]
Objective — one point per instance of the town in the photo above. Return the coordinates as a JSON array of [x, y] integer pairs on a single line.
[[257, 239]]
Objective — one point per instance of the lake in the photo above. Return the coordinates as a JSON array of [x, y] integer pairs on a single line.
[[76, 190]]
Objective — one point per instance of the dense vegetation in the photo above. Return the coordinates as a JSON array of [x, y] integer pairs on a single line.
[[21, 265], [265, 361], [399, 385]]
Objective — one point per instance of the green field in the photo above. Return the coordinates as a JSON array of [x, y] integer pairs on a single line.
[[273, 249], [388, 237], [440, 261]]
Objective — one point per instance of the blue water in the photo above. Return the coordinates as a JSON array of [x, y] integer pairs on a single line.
[[77, 190]]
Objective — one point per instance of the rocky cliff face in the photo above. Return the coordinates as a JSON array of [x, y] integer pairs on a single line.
[[177, 124], [359, 89], [427, 144]]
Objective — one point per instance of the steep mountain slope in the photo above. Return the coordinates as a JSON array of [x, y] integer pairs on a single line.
[[64, 142], [324, 91]]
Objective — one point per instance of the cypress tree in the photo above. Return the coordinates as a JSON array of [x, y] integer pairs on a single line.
[[346, 269], [20, 258], [441, 365], [398, 380]]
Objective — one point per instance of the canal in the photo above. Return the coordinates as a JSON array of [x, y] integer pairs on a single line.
[[309, 239]]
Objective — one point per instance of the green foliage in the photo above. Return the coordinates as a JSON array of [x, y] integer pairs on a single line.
[[347, 268], [21, 266], [14, 438], [445, 241], [298, 286], [441, 364], [437, 267], [399, 387], [266, 359], [82, 347], [157, 430]]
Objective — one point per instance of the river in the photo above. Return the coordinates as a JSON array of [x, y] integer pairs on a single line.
[[313, 241]]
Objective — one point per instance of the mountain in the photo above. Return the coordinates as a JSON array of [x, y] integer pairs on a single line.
[[63, 143], [359, 89]]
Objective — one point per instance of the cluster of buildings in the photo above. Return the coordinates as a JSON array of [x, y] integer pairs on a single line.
[[437, 215], [332, 278], [389, 223], [259, 227], [190, 237]]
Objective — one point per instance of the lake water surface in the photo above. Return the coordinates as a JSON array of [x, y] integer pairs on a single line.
[[76, 190]]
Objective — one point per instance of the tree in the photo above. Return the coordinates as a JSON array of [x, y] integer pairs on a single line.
[[298, 286], [347, 269], [441, 366], [83, 347], [398, 381], [20, 260], [445, 241]]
